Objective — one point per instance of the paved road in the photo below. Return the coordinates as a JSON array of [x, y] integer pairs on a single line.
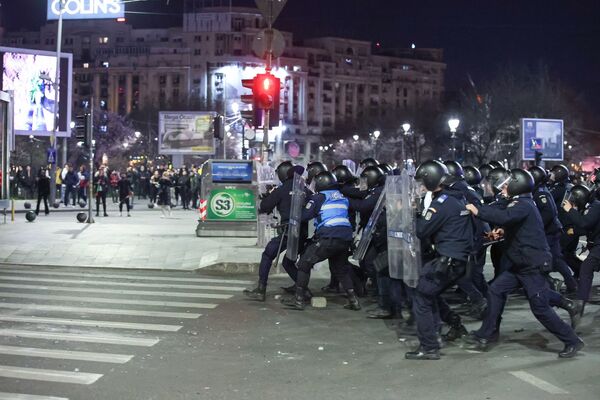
[[105, 334]]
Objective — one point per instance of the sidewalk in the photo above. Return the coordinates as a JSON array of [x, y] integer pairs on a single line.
[[143, 241]]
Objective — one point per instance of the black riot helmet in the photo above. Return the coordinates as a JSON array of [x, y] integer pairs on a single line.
[[496, 164], [485, 170], [432, 174], [369, 162], [313, 169], [386, 168], [343, 174], [283, 170], [472, 175], [580, 195], [540, 176], [455, 169], [520, 182], [325, 181], [497, 178], [373, 175], [559, 174]]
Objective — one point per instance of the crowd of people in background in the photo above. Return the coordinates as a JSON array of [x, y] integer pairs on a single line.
[[160, 185]]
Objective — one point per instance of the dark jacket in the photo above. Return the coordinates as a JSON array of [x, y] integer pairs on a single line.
[[588, 221], [524, 232], [43, 186]]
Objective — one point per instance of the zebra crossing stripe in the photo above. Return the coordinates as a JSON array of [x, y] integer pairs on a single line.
[[77, 337], [120, 276], [91, 310], [86, 322], [111, 291], [65, 354], [106, 300], [22, 396], [115, 283], [48, 375]]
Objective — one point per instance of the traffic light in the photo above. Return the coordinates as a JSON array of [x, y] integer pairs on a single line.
[[83, 128], [219, 127], [265, 96]]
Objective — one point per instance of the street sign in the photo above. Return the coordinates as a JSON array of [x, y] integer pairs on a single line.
[[86, 9], [270, 9], [268, 38], [51, 155], [232, 204], [542, 135]]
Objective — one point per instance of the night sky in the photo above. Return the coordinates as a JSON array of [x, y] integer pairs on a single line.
[[478, 36]]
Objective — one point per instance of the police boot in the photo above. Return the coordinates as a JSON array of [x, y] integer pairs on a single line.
[[353, 303], [571, 350], [474, 342], [457, 329], [297, 301], [259, 293], [289, 289], [422, 354], [574, 308], [478, 310]]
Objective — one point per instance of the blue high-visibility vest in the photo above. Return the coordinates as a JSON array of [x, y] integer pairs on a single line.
[[334, 211]]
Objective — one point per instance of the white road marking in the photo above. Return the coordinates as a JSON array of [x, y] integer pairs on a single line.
[[90, 310], [111, 291], [86, 322], [537, 382], [76, 337], [119, 276], [473, 351], [115, 283], [107, 300], [65, 355], [48, 375], [21, 396]]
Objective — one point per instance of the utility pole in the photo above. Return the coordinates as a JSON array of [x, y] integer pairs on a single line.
[[91, 145], [56, 94]]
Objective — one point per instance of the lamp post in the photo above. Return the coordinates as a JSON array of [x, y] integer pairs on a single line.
[[406, 129], [453, 124], [376, 136]]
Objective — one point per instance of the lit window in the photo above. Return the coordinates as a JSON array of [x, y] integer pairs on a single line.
[[86, 65], [105, 64], [103, 39]]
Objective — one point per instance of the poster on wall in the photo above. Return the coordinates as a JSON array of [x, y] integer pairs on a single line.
[[186, 132]]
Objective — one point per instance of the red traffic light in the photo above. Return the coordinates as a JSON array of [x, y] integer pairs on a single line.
[[266, 90]]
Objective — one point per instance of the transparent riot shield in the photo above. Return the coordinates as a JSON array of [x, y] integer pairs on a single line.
[[295, 221], [351, 166], [404, 248], [367, 233]]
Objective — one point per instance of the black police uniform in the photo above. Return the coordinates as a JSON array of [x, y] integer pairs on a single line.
[[281, 199], [589, 220], [553, 230], [529, 257], [450, 229], [331, 241]]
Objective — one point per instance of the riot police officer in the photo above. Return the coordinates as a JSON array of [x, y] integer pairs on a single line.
[[559, 180], [529, 258], [584, 210], [332, 238], [450, 229], [467, 284], [473, 178], [552, 226], [279, 199], [313, 169], [368, 162]]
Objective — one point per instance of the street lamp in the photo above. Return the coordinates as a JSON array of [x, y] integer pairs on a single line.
[[137, 134], [376, 136], [453, 124], [355, 137], [406, 129], [125, 145]]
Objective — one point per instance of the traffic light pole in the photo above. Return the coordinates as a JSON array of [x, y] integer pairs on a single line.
[[267, 113], [53, 138], [90, 141]]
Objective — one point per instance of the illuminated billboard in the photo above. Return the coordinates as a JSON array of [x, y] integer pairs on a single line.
[[186, 132], [543, 135], [30, 75], [87, 9]]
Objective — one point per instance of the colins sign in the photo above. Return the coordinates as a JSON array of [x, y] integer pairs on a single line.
[[86, 9]]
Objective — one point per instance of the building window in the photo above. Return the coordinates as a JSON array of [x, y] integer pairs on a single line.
[[86, 65], [120, 39], [197, 38], [197, 52], [405, 92], [106, 64], [69, 41], [162, 80], [103, 40]]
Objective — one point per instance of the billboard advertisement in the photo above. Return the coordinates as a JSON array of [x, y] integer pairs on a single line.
[[232, 172], [30, 75], [543, 135], [87, 9], [186, 132]]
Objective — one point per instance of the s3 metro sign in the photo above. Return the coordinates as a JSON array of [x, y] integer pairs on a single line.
[[86, 9]]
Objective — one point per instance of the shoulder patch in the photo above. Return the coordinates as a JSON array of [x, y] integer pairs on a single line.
[[309, 204], [586, 212], [512, 204], [442, 198], [543, 199], [464, 213], [428, 215]]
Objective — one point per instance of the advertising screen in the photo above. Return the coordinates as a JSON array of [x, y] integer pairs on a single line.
[[87, 9], [543, 135], [232, 172], [30, 75], [186, 133]]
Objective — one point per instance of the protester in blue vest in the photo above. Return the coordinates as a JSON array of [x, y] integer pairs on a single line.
[[332, 238]]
